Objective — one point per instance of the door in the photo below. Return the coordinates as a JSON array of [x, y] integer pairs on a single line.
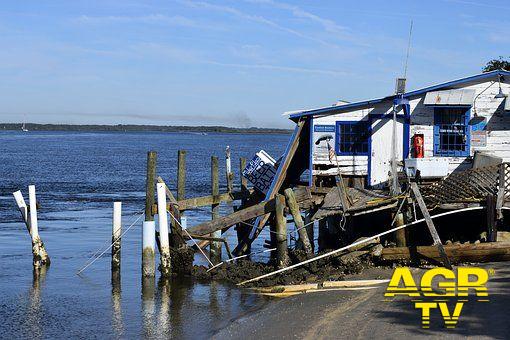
[[380, 151]]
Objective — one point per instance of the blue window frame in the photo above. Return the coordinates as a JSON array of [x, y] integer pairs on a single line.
[[352, 138], [451, 131]]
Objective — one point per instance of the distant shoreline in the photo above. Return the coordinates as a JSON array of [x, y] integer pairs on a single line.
[[141, 128]]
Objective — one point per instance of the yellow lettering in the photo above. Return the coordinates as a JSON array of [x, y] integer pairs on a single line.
[[409, 286], [450, 321], [448, 287], [463, 282], [425, 312]]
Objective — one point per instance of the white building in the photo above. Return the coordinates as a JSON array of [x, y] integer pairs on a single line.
[[454, 119]]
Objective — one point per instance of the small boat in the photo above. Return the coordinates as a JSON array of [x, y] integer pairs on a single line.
[[23, 128]]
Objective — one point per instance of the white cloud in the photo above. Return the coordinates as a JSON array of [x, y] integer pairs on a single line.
[[328, 24], [254, 18], [153, 19]]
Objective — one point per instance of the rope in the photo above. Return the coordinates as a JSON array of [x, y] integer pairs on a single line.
[[111, 245], [352, 245], [191, 238]]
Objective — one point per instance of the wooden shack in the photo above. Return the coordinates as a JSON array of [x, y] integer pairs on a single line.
[[452, 121]]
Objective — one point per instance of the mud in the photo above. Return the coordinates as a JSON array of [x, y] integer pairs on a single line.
[[182, 260], [332, 268]]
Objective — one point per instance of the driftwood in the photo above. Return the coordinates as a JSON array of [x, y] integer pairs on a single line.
[[481, 252]]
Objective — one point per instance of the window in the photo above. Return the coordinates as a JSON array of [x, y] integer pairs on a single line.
[[451, 132], [352, 138]]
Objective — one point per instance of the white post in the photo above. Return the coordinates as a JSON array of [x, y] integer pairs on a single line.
[[116, 233], [34, 228], [163, 231], [20, 201], [228, 168], [148, 243], [40, 256]]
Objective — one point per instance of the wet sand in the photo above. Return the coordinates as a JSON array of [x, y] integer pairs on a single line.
[[364, 314]]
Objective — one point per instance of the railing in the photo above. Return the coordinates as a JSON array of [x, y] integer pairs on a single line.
[[472, 185]]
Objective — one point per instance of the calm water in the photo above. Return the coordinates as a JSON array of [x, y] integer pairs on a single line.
[[77, 177]]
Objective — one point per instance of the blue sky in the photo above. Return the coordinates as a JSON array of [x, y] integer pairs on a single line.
[[236, 63]]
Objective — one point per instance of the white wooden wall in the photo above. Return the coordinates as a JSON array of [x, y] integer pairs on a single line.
[[422, 121]]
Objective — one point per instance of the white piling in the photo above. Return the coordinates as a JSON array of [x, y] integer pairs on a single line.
[[34, 228], [166, 269], [116, 234], [148, 243], [23, 209], [40, 256], [228, 168]]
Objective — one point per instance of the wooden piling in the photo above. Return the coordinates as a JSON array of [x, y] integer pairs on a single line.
[[149, 184], [215, 247], [492, 230], [149, 227], [400, 235], [116, 235], [39, 254], [298, 220], [166, 262], [243, 229], [282, 257], [181, 175], [228, 170]]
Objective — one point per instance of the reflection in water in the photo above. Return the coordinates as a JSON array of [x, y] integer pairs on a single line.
[[163, 316], [148, 307], [34, 314], [117, 325]]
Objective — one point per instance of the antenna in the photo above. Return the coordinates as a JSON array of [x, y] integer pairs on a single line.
[[408, 49]]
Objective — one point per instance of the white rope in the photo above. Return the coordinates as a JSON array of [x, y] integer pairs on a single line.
[[111, 245], [239, 257], [352, 245], [191, 238]]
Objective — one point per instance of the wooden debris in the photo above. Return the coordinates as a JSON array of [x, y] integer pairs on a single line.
[[245, 214], [481, 252], [430, 225], [298, 221], [215, 247], [282, 256]]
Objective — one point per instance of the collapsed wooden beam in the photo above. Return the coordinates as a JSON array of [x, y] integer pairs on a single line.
[[302, 197], [481, 252], [430, 225]]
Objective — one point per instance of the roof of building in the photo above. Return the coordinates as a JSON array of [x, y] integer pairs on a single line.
[[341, 108]]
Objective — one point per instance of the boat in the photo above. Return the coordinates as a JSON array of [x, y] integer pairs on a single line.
[[23, 127]]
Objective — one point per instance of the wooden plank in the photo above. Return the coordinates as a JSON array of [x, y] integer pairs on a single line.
[[234, 218], [245, 214], [430, 225], [481, 252], [197, 202]]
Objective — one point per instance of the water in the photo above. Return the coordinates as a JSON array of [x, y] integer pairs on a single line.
[[77, 177]]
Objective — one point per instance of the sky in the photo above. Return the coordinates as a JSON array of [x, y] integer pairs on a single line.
[[235, 63]]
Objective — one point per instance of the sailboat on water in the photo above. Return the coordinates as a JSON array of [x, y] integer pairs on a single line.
[[23, 127]]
